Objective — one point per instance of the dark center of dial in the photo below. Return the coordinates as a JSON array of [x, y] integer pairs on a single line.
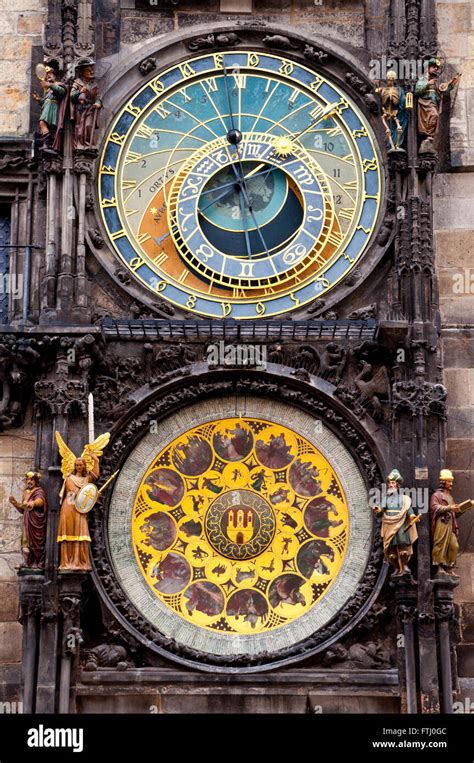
[[250, 208]]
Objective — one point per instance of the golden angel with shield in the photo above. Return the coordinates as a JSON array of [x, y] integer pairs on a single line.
[[78, 495]]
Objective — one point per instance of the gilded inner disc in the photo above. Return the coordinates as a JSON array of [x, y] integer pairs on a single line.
[[240, 524]]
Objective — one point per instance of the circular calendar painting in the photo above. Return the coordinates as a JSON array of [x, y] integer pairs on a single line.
[[239, 528]]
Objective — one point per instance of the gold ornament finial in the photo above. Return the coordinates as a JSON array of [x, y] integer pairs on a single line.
[[283, 146]]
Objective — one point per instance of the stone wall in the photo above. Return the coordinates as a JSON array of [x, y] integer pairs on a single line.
[[456, 43], [344, 21], [16, 457], [454, 235], [21, 24]]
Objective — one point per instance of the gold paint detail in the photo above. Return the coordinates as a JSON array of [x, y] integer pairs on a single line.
[[240, 525], [283, 146]]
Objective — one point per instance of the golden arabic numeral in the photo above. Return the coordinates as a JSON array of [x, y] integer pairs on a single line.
[[134, 110], [253, 59], [157, 85], [108, 203], [136, 263], [316, 84], [218, 60], [360, 133], [369, 164], [192, 299], [295, 299], [260, 308], [186, 70], [116, 138], [286, 68], [226, 309], [161, 286]]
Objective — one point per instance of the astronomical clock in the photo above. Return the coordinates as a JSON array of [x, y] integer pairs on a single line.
[[239, 185], [223, 276]]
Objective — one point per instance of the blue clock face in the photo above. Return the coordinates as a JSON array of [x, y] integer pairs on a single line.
[[239, 184]]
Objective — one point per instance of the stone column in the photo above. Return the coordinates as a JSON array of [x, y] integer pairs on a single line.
[[31, 584], [405, 602], [70, 592], [444, 613]]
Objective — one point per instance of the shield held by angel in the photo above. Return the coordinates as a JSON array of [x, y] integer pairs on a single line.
[[73, 529]]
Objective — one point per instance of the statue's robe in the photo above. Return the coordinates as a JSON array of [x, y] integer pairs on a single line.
[[34, 519], [73, 529], [444, 529]]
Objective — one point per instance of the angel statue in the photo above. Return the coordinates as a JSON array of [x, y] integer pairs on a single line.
[[73, 530]]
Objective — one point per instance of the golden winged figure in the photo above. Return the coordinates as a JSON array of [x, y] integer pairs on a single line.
[[73, 530], [95, 448]]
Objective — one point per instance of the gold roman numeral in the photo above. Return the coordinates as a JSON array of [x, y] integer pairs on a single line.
[[132, 156], [162, 111]]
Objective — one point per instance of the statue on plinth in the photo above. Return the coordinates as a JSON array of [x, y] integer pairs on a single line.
[[33, 506], [398, 524], [429, 92], [73, 529], [394, 112], [444, 526]]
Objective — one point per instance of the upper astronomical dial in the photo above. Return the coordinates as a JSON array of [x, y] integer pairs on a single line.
[[239, 184], [290, 213]]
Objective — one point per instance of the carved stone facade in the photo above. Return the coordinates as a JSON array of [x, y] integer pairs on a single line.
[[384, 360]]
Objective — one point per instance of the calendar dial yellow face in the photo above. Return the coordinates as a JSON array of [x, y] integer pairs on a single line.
[[239, 184], [240, 526]]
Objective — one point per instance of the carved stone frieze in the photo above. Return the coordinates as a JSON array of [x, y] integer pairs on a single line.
[[106, 656], [221, 40], [418, 399], [364, 89], [21, 361]]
